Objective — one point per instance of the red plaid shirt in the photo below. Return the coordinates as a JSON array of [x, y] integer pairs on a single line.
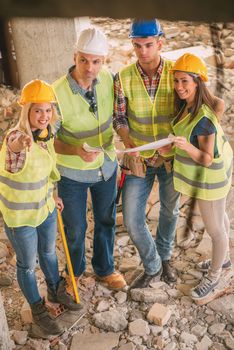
[[120, 118], [15, 161]]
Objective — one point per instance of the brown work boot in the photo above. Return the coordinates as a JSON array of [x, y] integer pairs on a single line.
[[113, 281], [44, 320]]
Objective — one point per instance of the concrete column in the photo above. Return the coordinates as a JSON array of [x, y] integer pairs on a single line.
[[44, 46]]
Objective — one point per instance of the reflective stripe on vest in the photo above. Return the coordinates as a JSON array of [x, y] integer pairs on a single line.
[[206, 185], [25, 206], [142, 137], [85, 134], [195, 180], [26, 197], [148, 120], [190, 161], [23, 186], [80, 125]]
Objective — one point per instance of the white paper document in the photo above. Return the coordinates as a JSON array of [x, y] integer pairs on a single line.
[[146, 147], [88, 148]]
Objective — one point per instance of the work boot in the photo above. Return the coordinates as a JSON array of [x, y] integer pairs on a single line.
[[44, 320], [169, 274], [143, 280], [61, 296], [113, 281]]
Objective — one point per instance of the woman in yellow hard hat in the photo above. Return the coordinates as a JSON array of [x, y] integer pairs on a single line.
[[203, 163], [27, 173]]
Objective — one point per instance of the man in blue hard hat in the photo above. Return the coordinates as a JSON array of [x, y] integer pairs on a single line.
[[144, 106], [143, 110]]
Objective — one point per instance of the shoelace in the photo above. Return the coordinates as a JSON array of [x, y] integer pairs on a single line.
[[204, 286]]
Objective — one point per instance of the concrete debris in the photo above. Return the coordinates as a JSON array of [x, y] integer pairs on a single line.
[[94, 341], [159, 314], [110, 321]]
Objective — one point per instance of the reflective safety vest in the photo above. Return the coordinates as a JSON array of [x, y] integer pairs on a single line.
[[195, 180], [80, 125], [26, 197], [149, 120]]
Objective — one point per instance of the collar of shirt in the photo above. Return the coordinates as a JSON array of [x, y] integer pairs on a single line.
[[75, 87], [158, 72]]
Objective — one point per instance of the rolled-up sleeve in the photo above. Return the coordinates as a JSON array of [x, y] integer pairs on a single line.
[[120, 118]]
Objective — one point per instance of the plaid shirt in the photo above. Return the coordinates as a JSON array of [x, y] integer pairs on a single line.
[[120, 118], [15, 161]]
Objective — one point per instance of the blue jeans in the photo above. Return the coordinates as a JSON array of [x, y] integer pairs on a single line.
[[136, 191], [30, 243], [74, 196]]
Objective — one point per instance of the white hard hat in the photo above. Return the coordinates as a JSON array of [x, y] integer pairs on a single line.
[[92, 41]]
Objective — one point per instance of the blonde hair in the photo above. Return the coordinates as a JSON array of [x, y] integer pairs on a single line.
[[23, 124]]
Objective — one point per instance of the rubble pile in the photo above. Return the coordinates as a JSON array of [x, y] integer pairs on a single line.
[[9, 109]]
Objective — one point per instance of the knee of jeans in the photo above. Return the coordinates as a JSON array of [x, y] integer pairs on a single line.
[[105, 220], [29, 271], [50, 251], [133, 226], [132, 215], [27, 268], [76, 233], [169, 211]]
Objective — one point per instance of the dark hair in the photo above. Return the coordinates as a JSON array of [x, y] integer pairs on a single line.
[[202, 96]]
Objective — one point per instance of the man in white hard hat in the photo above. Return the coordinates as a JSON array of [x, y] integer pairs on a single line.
[[85, 99]]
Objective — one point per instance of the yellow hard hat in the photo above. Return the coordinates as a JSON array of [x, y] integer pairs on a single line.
[[190, 63], [37, 91]]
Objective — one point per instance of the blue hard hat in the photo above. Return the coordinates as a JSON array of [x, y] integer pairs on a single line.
[[144, 28]]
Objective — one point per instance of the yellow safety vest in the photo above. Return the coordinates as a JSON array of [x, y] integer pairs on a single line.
[[195, 180], [26, 197], [148, 120], [80, 125]]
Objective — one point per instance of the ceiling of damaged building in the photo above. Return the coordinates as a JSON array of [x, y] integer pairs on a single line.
[[198, 10]]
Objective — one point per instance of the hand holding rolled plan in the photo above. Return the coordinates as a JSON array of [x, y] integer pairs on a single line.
[[148, 146]]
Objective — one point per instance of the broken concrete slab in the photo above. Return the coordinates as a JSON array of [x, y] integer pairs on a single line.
[[101, 341]]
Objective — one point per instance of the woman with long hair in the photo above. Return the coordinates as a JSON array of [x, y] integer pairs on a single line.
[[27, 173], [203, 163]]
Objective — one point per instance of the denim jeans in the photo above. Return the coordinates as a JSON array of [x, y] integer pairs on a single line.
[[30, 244], [136, 191], [74, 196]]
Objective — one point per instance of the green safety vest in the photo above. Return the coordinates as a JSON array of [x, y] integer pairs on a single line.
[[149, 120], [195, 180], [80, 125], [26, 197]]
